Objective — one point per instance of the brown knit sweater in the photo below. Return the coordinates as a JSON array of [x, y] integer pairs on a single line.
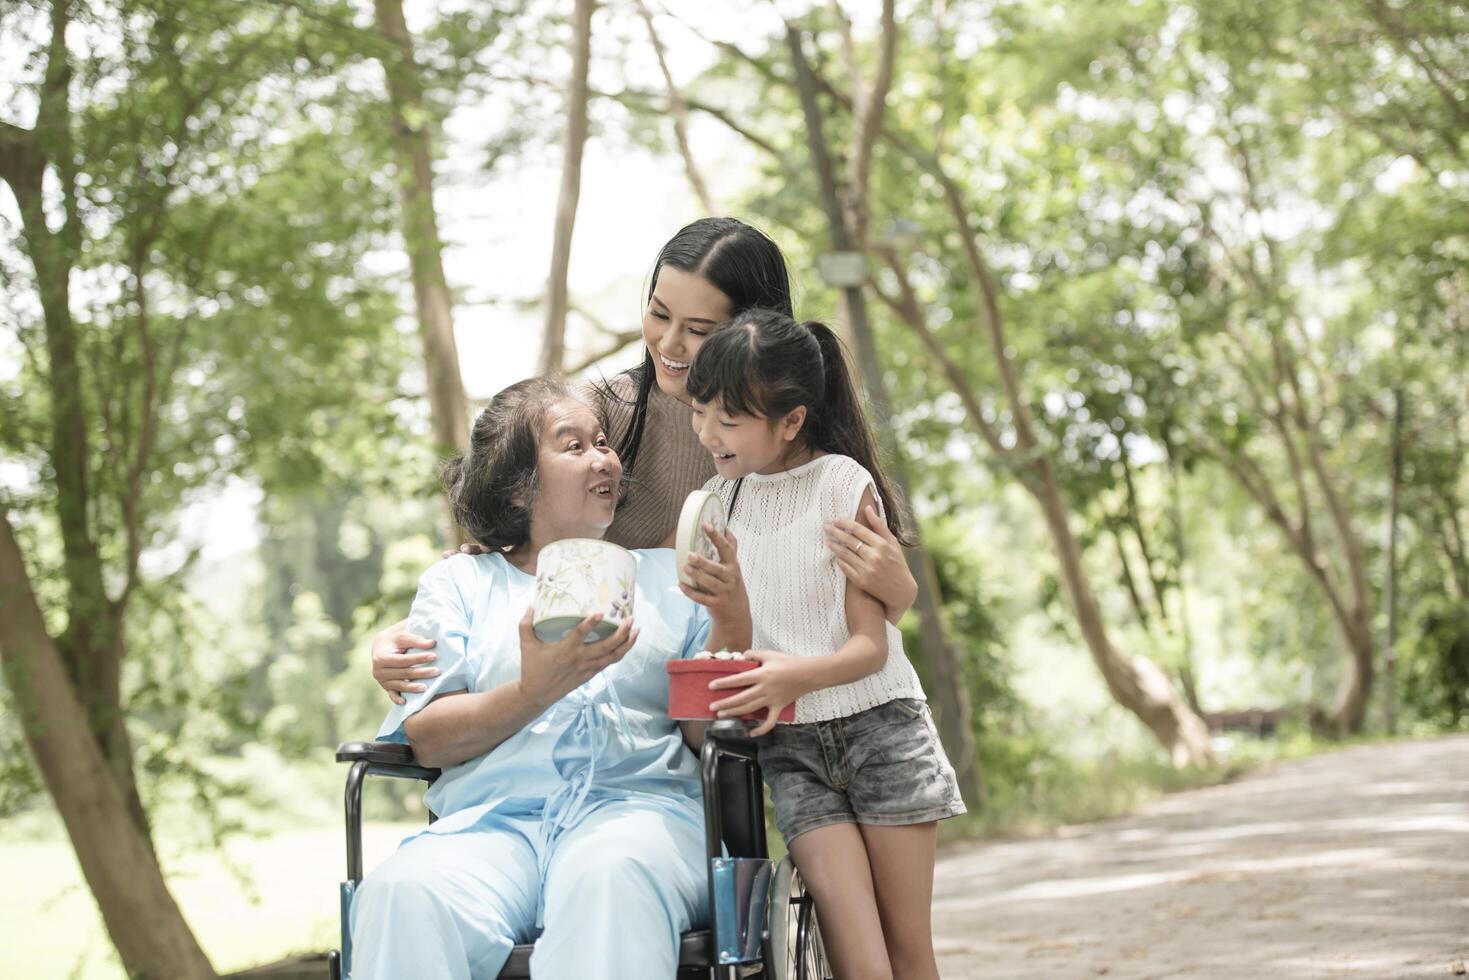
[[670, 465]]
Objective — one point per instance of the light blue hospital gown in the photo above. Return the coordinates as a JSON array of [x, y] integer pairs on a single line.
[[588, 820]]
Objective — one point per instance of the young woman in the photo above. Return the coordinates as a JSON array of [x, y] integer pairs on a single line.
[[710, 271], [859, 780]]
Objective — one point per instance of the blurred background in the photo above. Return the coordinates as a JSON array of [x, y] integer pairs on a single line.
[[1163, 309]]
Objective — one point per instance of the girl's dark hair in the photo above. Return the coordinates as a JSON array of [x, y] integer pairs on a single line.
[[742, 263], [491, 489], [766, 364]]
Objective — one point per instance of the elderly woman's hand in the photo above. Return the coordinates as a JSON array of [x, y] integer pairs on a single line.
[[870, 557], [550, 671], [395, 666]]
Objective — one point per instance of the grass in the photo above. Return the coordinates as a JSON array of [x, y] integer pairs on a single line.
[[1056, 791], [261, 899]]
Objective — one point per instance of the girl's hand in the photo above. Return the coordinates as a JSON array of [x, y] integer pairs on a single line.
[[719, 586], [778, 681], [394, 664], [550, 671], [871, 558]]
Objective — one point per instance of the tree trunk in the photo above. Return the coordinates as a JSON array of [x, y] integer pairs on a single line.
[[954, 714], [1390, 590], [115, 855], [1451, 542], [1136, 683], [553, 344], [1349, 714], [1186, 674], [413, 148], [90, 647], [1352, 618]]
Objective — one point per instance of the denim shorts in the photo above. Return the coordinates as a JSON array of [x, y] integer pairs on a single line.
[[880, 766]]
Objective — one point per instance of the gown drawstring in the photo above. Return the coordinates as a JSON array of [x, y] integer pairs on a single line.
[[566, 804]]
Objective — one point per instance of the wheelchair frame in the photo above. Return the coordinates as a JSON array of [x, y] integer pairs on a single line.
[[742, 906]]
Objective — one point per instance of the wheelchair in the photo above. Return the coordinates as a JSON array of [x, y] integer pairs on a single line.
[[762, 921]]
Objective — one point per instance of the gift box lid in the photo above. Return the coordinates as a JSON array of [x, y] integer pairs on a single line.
[[699, 508], [707, 666]]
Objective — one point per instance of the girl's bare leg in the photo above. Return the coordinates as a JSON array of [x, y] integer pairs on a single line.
[[901, 859], [833, 861]]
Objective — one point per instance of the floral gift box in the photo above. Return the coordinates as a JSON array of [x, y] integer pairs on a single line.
[[576, 577]]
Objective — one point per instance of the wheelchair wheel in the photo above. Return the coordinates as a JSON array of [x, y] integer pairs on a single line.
[[793, 946]]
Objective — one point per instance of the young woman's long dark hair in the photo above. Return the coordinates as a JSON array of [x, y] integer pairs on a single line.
[[766, 364], [742, 263]]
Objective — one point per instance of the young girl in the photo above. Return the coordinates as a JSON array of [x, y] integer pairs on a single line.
[[859, 781]]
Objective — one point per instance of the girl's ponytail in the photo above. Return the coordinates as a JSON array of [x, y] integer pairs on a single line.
[[840, 425]]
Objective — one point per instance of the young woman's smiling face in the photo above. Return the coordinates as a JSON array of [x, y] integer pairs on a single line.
[[684, 308], [745, 444]]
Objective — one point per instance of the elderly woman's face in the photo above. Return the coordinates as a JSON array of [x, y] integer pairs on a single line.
[[578, 473]]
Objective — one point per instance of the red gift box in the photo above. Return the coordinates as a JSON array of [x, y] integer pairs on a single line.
[[688, 688]]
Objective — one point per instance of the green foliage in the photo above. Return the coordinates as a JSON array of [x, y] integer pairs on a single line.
[[20, 784], [232, 324], [970, 616], [1435, 669], [1173, 198]]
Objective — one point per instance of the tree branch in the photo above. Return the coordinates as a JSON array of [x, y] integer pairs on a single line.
[[1004, 356], [678, 109], [1138, 606], [618, 341], [1135, 521], [910, 314], [1423, 57], [870, 103], [147, 427], [1341, 520], [1249, 476]]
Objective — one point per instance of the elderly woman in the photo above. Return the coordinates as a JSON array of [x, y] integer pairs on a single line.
[[569, 807]]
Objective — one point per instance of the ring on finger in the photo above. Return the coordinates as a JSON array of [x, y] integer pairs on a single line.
[[858, 549]]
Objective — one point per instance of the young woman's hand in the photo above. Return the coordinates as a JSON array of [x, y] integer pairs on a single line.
[[870, 557], [550, 671], [395, 666], [719, 586], [778, 681], [466, 549]]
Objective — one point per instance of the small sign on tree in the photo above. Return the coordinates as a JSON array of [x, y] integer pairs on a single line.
[[844, 270]]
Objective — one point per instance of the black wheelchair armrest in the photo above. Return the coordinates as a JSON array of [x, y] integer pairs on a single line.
[[731, 737], [373, 759], [386, 759]]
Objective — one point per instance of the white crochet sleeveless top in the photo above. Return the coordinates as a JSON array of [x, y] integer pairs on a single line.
[[797, 590]]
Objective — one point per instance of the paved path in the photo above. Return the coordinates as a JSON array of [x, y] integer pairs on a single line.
[[1352, 864]]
